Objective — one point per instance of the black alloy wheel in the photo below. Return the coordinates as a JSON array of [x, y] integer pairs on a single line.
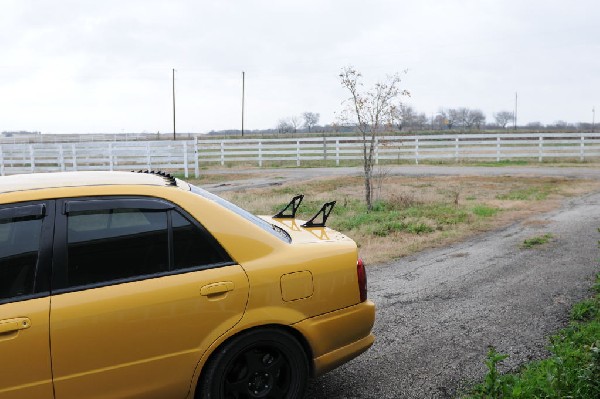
[[265, 363]]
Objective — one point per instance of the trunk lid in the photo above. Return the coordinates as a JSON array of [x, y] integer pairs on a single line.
[[306, 235]]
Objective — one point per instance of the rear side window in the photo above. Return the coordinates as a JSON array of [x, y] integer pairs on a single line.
[[19, 253], [112, 240], [116, 244], [192, 245], [268, 227]]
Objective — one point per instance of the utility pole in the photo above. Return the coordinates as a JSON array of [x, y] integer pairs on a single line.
[[243, 87], [515, 127], [174, 138]]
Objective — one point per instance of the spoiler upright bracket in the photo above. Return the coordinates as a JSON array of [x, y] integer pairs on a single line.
[[294, 204], [324, 211]]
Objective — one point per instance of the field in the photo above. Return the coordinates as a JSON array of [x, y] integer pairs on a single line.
[[411, 213]]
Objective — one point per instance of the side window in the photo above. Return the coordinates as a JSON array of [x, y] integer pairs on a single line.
[[105, 245], [19, 247], [193, 246]]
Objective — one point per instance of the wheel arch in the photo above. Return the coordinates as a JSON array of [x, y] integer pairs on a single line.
[[297, 335]]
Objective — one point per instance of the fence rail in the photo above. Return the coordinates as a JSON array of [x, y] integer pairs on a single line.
[[189, 155]]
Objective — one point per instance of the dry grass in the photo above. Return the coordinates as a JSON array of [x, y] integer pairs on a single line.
[[485, 202]]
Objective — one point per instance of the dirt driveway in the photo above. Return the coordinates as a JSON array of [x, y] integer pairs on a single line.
[[439, 310]]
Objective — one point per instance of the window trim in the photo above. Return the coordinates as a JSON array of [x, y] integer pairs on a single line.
[[124, 203], [45, 211], [60, 266], [35, 210]]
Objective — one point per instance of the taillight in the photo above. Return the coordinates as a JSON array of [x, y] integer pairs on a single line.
[[362, 279]]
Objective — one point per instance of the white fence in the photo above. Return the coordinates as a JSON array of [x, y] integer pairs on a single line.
[[456, 147], [168, 155], [190, 155]]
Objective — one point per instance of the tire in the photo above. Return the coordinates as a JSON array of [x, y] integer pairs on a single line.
[[262, 363]]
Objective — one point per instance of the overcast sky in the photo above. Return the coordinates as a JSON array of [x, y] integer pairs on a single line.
[[77, 66]]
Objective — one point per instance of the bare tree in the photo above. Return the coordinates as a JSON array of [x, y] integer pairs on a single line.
[[294, 122], [452, 118], [440, 121], [311, 119], [283, 126], [371, 111], [503, 118], [421, 121], [535, 125], [467, 118], [405, 116], [477, 118], [464, 117]]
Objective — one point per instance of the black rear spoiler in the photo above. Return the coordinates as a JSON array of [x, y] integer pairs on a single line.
[[325, 211], [293, 206]]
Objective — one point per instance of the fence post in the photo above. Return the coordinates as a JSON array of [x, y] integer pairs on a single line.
[[1, 162], [260, 154], [148, 161], [337, 152], [298, 153], [74, 157], [541, 145], [185, 160], [61, 158], [376, 150], [417, 150], [110, 160], [497, 148], [582, 148], [196, 160], [325, 150], [222, 153], [31, 158], [456, 149]]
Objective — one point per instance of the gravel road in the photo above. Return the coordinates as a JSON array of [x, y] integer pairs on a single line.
[[439, 310], [271, 177]]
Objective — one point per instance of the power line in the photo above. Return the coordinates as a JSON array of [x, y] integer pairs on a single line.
[[174, 138], [243, 95]]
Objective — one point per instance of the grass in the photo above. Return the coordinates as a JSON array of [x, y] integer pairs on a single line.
[[572, 370], [528, 194], [504, 162], [529, 243], [413, 213], [484, 211]]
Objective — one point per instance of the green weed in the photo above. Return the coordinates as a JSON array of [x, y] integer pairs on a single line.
[[527, 194], [585, 310], [572, 371], [535, 241], [484, 211]]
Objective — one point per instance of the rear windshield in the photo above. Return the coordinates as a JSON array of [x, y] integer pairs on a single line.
[[276, 231]]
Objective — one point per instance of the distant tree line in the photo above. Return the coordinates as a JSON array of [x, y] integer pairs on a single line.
[[407, 120]]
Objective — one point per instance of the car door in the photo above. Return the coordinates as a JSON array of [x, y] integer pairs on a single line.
[[143, 290], [25, 255]]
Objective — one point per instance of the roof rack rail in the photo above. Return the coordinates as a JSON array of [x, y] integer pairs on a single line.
[[170, 179], [324, 211], [295, 204]]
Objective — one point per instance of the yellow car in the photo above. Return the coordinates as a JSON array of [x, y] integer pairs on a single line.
[[139, 285]]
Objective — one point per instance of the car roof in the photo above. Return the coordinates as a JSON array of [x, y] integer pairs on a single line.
[[38, 181]]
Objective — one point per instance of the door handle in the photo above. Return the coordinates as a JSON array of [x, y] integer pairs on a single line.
[[221, 287], [12, 325]]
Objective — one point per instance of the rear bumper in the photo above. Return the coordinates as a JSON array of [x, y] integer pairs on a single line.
[[339, 336]]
